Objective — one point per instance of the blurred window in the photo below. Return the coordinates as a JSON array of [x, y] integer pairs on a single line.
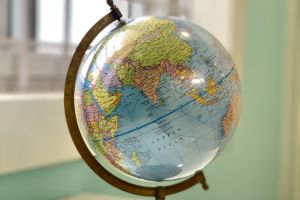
[[50, 20], [3, 18], [71, 20], [83, 15], [38, 37]]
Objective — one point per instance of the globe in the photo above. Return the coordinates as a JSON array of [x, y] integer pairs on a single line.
[[157, 98]]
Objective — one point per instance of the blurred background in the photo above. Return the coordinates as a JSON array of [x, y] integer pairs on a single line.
[[37, 39]]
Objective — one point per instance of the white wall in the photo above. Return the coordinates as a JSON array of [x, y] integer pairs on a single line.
[[44, 72], [217, 17], [33, 132]]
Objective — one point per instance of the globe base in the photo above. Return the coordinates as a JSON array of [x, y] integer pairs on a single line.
[[198, 178]]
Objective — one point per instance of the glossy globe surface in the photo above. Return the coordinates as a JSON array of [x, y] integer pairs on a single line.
[[157, 98]]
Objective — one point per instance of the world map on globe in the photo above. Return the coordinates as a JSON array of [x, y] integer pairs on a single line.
[[159, 98]]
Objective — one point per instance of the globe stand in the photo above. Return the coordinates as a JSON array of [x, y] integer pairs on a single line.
[[162, 192], [158, 192]]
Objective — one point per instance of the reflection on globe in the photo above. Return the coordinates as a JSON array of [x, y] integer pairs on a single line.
[[157, 98]]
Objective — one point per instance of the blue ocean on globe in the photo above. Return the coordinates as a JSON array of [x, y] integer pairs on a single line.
[[157, 98]]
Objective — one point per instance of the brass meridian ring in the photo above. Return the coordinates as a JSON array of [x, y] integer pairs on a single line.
[[158, 192]]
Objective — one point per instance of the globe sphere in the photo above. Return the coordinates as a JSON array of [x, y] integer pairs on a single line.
[[157, 98]]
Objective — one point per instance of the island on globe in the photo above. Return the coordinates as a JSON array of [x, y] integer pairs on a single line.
[[157, 98]]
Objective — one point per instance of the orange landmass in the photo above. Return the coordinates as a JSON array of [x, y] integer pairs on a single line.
[[232, 115], [211, 87], [197, 97], [147, 80]]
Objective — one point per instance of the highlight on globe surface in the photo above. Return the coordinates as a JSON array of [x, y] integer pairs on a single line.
[[157, 98]]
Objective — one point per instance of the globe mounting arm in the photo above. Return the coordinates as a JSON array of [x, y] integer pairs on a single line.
[[115, 10]]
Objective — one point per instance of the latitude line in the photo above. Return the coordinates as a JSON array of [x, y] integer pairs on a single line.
[[147, 124], [166, 115]]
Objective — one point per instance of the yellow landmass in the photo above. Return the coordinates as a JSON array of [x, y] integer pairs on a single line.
[[194, 94], [94, 127], [87, 99], [165, 47], [150, 36], [202, 100], [125, 74], [109, 125], [91, 76], [135, 159], [128, 36], [98, 145], [107, 101], [109, 152], [108, 149], [148, 42], [211, 87]]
